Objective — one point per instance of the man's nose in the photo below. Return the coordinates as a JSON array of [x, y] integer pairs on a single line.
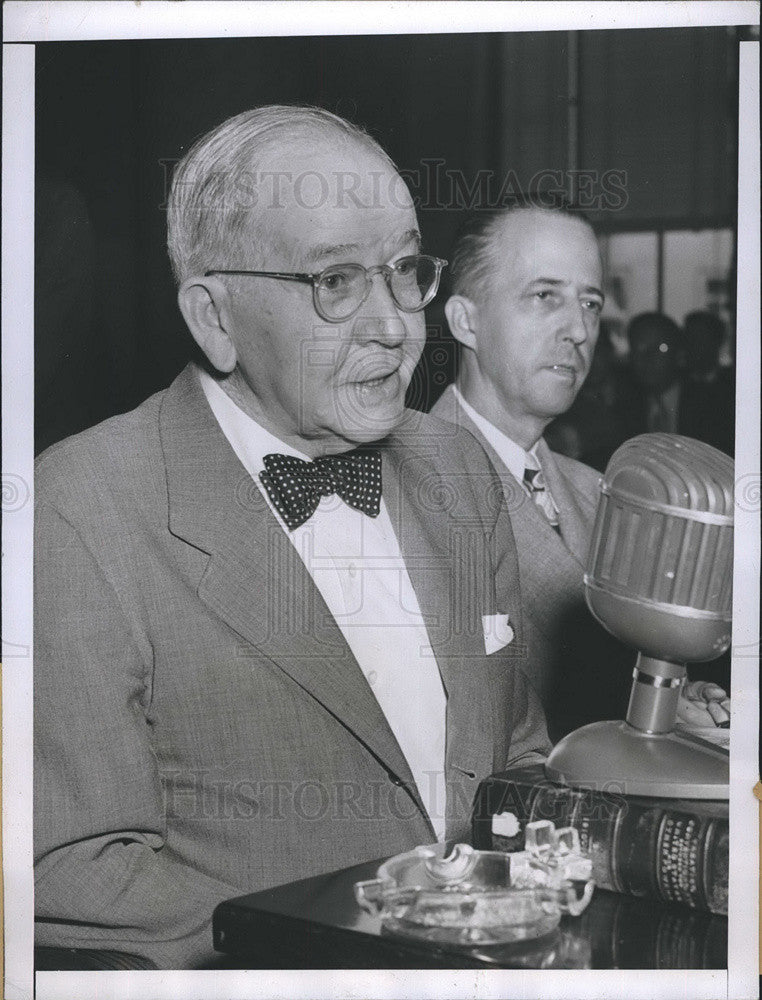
[[379, 318], [390, 331], [578, 323]]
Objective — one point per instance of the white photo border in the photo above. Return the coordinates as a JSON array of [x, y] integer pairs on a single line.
[[26, 23]]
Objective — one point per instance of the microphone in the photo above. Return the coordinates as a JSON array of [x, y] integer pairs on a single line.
[[659, 577]]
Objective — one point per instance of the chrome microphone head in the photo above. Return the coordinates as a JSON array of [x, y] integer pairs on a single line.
[[659, 571], [659, 576]]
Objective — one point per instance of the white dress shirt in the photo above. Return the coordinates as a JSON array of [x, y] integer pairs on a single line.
[[356, 563], [512, 455]]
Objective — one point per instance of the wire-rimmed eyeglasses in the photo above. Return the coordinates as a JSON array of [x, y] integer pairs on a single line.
[[340, 290]]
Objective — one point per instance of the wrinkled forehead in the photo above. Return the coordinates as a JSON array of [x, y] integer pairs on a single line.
[[332, 170], [320, 195]]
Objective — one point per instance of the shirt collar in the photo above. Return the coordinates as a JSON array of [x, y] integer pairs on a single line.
[[511, 454], [249, 439]]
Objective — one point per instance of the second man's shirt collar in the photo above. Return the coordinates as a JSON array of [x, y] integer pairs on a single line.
[[511, 454]]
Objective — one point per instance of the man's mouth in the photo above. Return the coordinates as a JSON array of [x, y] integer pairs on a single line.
[[380, 382], [565, 370], [373, 383], [376, 375]]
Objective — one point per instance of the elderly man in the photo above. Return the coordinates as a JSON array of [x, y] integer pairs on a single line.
[[252, 665], [527, 284]]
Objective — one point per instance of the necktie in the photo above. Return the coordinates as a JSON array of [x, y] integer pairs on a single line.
[[534, 482], [295, 486]]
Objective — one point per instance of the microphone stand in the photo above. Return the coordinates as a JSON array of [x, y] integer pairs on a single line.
[[644, 755]]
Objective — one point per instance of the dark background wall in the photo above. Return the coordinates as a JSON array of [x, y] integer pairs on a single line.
[[112, 117]]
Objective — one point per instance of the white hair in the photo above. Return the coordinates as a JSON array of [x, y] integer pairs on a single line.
[[211, 200]]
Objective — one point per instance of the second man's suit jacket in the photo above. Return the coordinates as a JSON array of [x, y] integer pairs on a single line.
[[202, 729], [580, 672]]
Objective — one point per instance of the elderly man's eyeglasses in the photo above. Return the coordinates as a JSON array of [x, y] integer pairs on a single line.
[[340, 290]]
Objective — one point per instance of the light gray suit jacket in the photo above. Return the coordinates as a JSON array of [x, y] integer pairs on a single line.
[[580, 672], [201, 727]]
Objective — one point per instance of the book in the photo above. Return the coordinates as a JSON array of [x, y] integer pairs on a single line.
[[675, 850]]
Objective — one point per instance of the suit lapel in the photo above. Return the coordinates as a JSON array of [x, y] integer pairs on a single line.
[[575, 520], [555, 560], [255, 580], [575, 532], [451, 589]]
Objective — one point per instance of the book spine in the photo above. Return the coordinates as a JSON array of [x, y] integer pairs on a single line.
[[638, 848], [597, 819]]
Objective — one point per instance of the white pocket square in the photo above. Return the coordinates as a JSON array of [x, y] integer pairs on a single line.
[[497, 632]]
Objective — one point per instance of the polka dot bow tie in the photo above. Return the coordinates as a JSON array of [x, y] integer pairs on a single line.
[[295, 486]]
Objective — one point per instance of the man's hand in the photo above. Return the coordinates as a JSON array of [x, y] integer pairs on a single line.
[[703, 704]]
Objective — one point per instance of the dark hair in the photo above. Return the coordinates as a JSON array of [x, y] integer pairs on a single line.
[[472, 261], [704, 322], [655, 322]]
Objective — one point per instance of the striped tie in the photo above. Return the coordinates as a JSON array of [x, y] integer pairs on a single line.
[[534, 483]]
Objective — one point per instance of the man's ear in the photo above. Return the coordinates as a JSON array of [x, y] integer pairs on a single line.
[[205, 305], [462, 316]]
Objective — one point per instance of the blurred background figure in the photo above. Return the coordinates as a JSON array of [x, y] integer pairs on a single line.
[[707, 407], [671, 380], [655, 384], [675, 382]]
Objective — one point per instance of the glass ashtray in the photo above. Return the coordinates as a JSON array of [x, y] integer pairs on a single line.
[[468, 897]]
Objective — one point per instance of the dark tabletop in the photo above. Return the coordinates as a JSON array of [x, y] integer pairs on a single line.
[[316, 923]]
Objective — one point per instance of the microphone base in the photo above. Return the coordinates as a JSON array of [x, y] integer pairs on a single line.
[[674, 765]]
